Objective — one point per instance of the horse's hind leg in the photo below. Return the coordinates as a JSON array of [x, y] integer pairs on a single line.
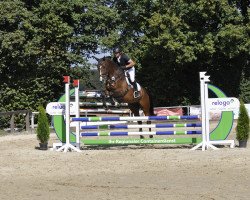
[[149, 129], [146, 106], [135, 108]]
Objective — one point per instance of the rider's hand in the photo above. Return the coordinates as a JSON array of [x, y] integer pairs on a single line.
[[123, 67]]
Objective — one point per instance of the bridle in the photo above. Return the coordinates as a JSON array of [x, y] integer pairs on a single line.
[[102, 77], [110, 80], [106, 77]]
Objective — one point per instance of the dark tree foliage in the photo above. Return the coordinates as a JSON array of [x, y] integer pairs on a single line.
[[42, 40], [171, 41]]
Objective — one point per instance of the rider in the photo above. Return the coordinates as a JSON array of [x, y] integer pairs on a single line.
[[127, 65]]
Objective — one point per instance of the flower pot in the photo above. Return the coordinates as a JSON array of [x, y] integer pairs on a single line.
[[243, 143], [43, 146]]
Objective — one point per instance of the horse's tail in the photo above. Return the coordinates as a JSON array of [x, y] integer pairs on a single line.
[[151, 109]]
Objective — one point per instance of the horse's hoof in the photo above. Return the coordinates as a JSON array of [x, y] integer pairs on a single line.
[[141, 137], [112, 103], [151, 136]]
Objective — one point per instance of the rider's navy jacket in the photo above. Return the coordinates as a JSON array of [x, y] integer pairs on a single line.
[[123, 60]]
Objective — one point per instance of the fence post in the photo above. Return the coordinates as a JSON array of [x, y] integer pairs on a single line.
[[12, 125], [27, 119]]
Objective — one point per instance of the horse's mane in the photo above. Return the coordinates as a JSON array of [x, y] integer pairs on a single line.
[[109, 59], [111, 63]]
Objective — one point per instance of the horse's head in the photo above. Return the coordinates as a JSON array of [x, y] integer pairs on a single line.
[[105, 67]]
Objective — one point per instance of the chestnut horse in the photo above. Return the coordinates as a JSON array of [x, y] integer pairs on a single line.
[[114, 80]]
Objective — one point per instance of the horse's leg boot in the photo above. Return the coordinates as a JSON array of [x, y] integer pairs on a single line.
[[112, 101]]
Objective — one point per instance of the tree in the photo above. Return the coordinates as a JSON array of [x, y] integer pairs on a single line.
[[243, 126], [174, 40], [245, 89], [43, 131], [171, 41], [40, 41]]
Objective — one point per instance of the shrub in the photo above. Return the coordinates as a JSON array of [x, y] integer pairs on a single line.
[[242, 129], [43, 131]]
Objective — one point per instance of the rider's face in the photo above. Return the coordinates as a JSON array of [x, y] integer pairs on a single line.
[[117, 55]]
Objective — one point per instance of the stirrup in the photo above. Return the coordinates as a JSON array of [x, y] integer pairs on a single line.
[[136, 94]]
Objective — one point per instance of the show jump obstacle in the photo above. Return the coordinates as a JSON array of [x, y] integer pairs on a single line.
[[73, 141]]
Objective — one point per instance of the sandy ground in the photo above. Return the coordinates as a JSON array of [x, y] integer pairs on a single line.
[[151, 172]]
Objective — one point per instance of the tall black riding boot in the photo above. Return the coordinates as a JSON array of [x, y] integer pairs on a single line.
[[136, 92]]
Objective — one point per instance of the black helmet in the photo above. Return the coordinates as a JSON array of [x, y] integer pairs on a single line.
[[117, 50]]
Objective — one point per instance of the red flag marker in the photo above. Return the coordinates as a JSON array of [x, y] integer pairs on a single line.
[[66, 79], [75, 83]]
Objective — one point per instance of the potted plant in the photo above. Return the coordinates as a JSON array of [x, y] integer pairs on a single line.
[[43, 131], [242, 129]]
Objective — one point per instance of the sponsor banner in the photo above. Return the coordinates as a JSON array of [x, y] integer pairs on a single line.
[[223, 104], [161, 111], [216, 114], [195, 110], [142, 141], [58, 108]]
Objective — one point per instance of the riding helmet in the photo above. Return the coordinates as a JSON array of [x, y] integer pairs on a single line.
[[117, 50]]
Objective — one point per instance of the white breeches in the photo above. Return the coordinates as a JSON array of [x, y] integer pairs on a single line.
[[131, 72]]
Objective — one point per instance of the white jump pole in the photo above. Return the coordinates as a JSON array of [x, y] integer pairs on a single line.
[[67, 146], [207, 143], [77, 112], [204, 114]]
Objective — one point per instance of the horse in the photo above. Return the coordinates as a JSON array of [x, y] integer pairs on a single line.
[[114, 81]]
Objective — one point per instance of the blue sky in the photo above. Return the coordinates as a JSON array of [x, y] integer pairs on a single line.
[[99, 55]]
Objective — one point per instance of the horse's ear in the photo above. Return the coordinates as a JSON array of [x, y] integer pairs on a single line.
[[95, 58]]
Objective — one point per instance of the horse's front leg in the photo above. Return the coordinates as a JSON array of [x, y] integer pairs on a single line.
[[103, 96], [104, 92], [110, 89]]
